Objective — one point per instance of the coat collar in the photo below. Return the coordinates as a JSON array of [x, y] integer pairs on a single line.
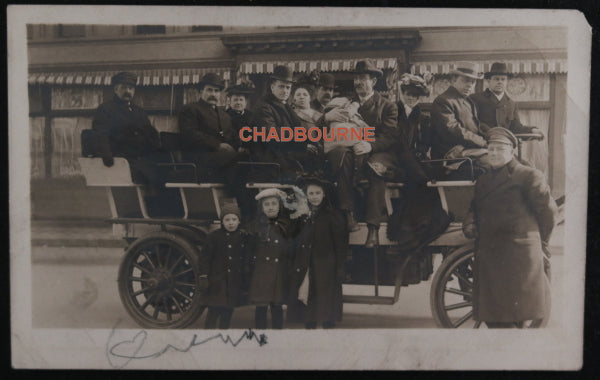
[[496, 178]]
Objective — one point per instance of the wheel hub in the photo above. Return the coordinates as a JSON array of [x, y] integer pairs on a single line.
[[162, 282]]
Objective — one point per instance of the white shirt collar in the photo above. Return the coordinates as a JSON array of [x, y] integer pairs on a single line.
[[363, 100], [499, 97]]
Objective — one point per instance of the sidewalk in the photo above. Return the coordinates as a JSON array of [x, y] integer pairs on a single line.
[[99, 234], [74, 234]]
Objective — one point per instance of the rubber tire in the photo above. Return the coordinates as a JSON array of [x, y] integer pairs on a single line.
[[438, 285], [190, 251]]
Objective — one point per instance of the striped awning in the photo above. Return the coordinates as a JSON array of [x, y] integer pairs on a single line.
[[520, 66], [165, 77], [266, 67]]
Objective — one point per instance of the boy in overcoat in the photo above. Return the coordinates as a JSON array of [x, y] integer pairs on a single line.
[[225, 267], [270, 250], [320, 252], [512, 217]]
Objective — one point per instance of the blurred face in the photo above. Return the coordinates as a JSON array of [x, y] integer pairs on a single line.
[[302, 98], [315, 195], [364, 84], [497, 83], [237, 102], [210, 94], [270, 207], [231, 222], [464, 85], [281, 90], [324, 95], [499, 154], [410, 98], [125, 91]]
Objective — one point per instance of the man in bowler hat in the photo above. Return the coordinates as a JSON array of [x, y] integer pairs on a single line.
[[494, 107], [274, 111], [325, 87], [122, 129], [209, 139]]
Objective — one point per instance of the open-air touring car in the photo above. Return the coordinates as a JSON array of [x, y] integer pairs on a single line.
[[158, 276]]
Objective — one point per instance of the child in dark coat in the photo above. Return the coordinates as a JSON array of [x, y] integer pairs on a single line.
[[321, 249], [271, 248], [225, 264]]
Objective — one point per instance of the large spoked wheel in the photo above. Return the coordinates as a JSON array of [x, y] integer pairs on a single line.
[[158, 281], [452, 291]]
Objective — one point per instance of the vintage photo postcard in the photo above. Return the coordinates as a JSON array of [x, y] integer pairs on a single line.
[[297, 188]]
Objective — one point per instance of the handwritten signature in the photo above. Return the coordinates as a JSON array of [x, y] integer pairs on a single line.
[[130, 349]]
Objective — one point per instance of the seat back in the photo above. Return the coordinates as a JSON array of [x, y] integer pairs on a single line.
[[171, 142]]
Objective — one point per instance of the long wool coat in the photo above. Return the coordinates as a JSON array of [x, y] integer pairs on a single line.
[[224, 259], [321, 248], [498, 113], [270, 249], [514, 213]]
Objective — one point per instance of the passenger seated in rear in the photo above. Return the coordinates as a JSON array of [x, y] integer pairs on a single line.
[[224, 267], [122, 129]]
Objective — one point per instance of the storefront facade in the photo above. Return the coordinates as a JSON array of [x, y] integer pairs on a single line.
[[70, 67]]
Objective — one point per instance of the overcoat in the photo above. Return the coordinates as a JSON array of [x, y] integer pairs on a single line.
[[514, 214], [416, 130], [123, 129], [321, 248], [454, 122], [498, 113], [224, 259], [203, 127], [270, 248]]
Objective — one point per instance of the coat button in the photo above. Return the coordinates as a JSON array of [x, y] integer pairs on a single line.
[[227, 234], [269, 239], [230, 257], [302, 246], [267, 258], [297, 269], [228, 245], [228, 270], [255, 257], [276, 222], [276, 259], [276, 241]]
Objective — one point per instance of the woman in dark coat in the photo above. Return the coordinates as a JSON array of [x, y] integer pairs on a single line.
[[513, 214], [271, 248], [321, 249], [414, 125]]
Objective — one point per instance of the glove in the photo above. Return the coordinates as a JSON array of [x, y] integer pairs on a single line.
[[108, 161], [203, 284], [469, 230]]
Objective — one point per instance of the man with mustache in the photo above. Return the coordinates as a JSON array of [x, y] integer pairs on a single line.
[[324, 92], [122, 129], [209, 139]]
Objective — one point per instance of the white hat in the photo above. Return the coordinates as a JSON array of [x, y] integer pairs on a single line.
[[272, 192]]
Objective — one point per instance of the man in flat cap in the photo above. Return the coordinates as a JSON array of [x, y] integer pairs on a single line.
[[122, 129], [380, 155], [512, 217], [274, 111], [209, 139], [324, 94], [454, 118], [494, 107]]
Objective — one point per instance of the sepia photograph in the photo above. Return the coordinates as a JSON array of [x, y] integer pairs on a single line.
[[297, 188]]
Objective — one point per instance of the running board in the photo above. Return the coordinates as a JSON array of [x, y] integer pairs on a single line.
[[370, 300]]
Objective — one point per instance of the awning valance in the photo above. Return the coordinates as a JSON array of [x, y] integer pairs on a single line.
[[520, 66], [266, 67], [164, 77]]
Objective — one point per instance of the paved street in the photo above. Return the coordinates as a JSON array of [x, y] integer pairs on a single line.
[[72, 290]]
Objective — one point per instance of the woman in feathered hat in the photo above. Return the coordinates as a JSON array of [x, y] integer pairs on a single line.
[[412, 122]]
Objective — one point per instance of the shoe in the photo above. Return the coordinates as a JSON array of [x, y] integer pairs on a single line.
[[372, 237], [351, 222]]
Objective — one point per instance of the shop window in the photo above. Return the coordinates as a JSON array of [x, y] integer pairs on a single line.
[[150, 29], [76, 98], [66, 143], [154, 98], [36, 147], [71, 30]]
